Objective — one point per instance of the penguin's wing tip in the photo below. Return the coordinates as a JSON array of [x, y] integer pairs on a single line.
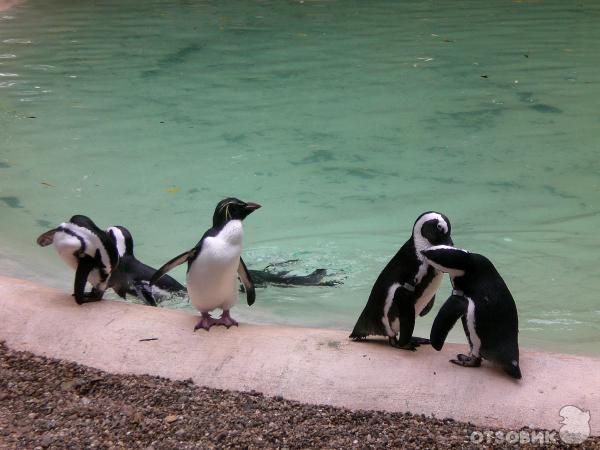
[[178, 260], [246, 279], [454, 307]]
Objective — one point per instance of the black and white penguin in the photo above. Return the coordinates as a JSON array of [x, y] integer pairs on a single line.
[[214, 264], [275, 274], [88, 250], [132, 276], [406, 287], [484, 303]]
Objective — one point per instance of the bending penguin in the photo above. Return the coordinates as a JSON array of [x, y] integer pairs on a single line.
[[483, 302], [406, 287], [215, 262], [132, 276], [88, 250]]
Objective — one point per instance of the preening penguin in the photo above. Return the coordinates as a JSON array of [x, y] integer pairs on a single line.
[[132, 276], [485, 305], [406, 287], [88, 250], [214, 262]]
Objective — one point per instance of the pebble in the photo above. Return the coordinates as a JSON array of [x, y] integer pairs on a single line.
[[152, 413]]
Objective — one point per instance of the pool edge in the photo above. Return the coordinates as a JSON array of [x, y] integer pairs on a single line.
[[310, 365]]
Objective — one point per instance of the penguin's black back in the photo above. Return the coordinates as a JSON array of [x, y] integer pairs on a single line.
[[496, 319], [131, 271]]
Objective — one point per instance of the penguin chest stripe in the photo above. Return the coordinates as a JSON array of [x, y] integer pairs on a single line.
[[88, 242]]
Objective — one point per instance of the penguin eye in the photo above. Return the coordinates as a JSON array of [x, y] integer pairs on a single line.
[[439, 226]]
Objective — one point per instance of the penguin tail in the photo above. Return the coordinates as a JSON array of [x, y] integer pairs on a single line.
[[513, 369], [46, 238], [366, 326]]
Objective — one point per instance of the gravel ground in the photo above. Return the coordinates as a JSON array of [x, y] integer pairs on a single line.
[[47, 403]]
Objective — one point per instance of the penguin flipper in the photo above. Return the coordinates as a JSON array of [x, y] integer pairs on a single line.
[[178, 260], [406, 311], [46, 238], [427, 307], [454, 308], [244, 275]]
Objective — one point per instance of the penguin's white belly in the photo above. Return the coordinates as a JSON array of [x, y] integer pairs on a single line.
[[428, 293], [67, 246], [70, 249], [212, 277]]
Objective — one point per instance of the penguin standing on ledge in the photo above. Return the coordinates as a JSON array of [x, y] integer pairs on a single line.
[[406, 287], [88, 250], [214, 264], [485, 305], [132, 276]]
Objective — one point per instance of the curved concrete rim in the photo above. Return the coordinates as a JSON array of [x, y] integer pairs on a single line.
[[309, 365]]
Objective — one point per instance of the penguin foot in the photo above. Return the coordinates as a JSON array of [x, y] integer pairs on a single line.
[[419, 341], [88, 297], [226, 320], [205, 322], [467, 360], [408, 346]]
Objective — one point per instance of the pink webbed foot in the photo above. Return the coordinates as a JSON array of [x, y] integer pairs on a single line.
[[226, 320], [205, 322]]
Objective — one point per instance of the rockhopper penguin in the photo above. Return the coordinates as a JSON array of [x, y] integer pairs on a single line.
[[214, 264]]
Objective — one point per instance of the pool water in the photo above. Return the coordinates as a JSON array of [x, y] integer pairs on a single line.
[[344, 119]]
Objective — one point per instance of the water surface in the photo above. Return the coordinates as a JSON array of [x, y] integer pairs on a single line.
[[344, 119]]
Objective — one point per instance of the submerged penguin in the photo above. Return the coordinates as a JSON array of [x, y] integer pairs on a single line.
[[406, 287], [88, 250], [282, 278], [485, 305], [214, 264], [132, 276]]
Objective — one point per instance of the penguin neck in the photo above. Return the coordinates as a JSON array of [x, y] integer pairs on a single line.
[[420, 244], [233, 232]]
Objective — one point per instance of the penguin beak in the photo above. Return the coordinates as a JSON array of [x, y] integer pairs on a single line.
[[251, 207], [449, 242]]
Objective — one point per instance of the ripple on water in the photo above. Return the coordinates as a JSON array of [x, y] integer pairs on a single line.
[[319, 114]]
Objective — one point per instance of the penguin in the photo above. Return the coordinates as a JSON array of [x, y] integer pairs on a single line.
[[132, 276], [214, 262], [88, 250], [485, 305], [406, 287], [282, 278]]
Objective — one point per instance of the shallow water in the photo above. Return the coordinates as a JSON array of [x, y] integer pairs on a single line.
[[345, 120]]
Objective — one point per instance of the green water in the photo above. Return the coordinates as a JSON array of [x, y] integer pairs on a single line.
[[344, 119]]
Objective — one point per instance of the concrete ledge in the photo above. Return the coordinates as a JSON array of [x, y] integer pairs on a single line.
[[309, 365]]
